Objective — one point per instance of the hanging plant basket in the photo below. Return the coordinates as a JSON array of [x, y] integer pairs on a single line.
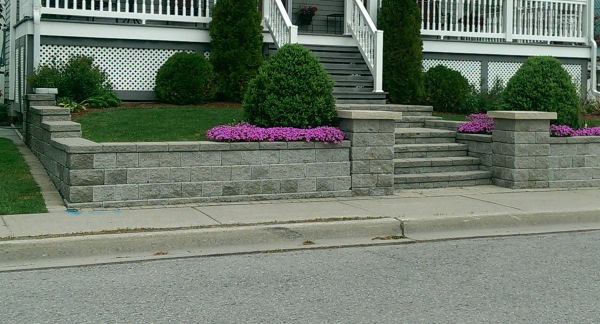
[[305, 19]]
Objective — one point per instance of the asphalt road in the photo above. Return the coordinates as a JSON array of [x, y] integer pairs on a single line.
[[530, 279]]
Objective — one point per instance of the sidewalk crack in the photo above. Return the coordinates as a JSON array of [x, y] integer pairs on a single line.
[[207, 215]]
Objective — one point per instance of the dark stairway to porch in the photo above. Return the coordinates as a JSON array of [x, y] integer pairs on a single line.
[[347, 68]]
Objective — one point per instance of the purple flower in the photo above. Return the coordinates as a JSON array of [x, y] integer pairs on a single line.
[[244, 132], [477, 123], [564, 130]]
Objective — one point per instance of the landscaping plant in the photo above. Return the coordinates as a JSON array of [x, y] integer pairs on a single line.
[[483, 101], [185, 78], [291, 89], [446, 89], [244, 132], [478, 124], [236, 46], [400, 21], [542, 84]]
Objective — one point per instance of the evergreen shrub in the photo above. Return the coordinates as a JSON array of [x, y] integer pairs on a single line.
[[542, 84], [291, 89], [185, 78], [446, 89], [400, 21], [236, 46], [484, 101]]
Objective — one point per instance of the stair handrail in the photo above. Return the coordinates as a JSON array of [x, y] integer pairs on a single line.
[[279, 24], [370, 40]]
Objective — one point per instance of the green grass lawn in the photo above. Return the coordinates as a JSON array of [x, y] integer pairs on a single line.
[[450, 116], [155, 124], [19, 193]]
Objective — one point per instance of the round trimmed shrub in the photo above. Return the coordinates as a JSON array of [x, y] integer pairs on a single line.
[[542, 84], [291, 89], [185, 78], [446, 89]]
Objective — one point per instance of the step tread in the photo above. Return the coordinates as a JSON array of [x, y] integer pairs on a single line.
[[436, 161], [430, 147], [424, 132], [443, 176]]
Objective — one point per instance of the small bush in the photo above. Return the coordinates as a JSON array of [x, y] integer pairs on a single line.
[[185, 78], [45, 76], [291, 89], [107, 99], [483, 101], [542, 84], [446, 89]]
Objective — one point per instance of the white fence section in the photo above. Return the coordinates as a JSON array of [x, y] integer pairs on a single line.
[[507, 20], [279, 24], [370, 40], [192, 11]]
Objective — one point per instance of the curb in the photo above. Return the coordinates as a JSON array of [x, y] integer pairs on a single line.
[[30, 250], [501, 224]]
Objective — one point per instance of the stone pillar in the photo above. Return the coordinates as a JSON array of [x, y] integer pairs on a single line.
[[371, 151], [45, 99], [520, 148]]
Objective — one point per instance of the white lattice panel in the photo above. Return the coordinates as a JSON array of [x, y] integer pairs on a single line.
[[127, 68], [505, 70], [471, 70]]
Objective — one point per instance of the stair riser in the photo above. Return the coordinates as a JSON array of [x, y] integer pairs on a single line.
[[443, 184], [408, 155], [424, 140], [409, 125], [436, 169], [360, 101]]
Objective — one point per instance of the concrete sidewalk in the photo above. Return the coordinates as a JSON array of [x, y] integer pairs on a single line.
[[68, 237]]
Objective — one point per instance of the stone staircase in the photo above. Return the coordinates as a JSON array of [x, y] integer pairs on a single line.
[[426, 154], [347, 68], [430, 157]]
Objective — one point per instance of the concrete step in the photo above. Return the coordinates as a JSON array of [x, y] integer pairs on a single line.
[[406, 110], [405, 151], [418, 135], [414, 121], [435, 165], [442, 179], [443, 124]]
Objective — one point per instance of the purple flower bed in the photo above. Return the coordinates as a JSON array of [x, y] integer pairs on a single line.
[[477, 123], [564, 130], [244, 132]]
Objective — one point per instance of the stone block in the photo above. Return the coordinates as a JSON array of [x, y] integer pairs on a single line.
[[190, 158], [269, 157], [522, 162], [80, 161], [191, 189], [360, 191], [200, 173], [210, 158], [342, 183], [240, 158], [372, 139], [542, 162], [149, 191], [324, 155], [220, 173], [286, 171], [212, 189], [80, 194], [289, 185], [181, 174], [297, 156], [270, 186], [252, 187], [578, 161], [126, 192], [214, 146], [381, 166], [385, 180], [272, 145], [300, 145], [127, 160], [152, 147], [241, 172], [307, 185], [560, 161], [260, 172], [146, 160], [105, 160], [232, 188], [371, 153], [119, 147], [562, 149], [360, 166], [103, 193], [85, 177], [364, 180], [244, 146], [170, 190], [135, 176], [170, 159], [115, 176], [159, 175], [183, 146]]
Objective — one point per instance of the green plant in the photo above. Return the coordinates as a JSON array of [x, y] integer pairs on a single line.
[[291, 89], [542, 84], [185, 78], [400, 21], [81, 79], [590, 106], [45, 76], [4, 109], [236, 46], [483, 101], [69, 103], [446, 89], [107, 99]]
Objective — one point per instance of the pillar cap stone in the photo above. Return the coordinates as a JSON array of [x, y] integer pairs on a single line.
[[532, 115], [369, 114]]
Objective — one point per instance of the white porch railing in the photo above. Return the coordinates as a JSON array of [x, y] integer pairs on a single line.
[[279, 24], [193, 11], [370, 40], [507, 20]]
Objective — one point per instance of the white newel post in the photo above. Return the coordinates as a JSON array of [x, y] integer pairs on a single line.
[[293, 34], [508, 23], [378, 64], [37, 15], [373, 8], [347, 15]]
